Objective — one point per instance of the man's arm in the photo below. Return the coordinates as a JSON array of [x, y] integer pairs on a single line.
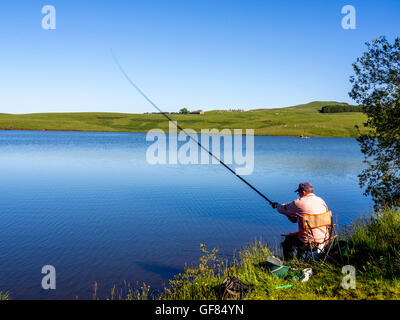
[[290, 209]]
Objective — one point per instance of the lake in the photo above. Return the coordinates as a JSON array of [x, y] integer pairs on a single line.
[[90, 205]]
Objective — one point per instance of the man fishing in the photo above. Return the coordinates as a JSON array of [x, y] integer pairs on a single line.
[[307, 203]]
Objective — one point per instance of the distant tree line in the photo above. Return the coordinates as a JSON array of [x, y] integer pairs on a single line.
[[336, 108]]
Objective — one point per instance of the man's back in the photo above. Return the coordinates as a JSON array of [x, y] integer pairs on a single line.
[[308, 204]]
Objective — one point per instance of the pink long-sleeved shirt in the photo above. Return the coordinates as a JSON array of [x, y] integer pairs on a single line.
[[309, 204]]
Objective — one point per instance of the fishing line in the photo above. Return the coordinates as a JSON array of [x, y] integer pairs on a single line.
[[179, 127]]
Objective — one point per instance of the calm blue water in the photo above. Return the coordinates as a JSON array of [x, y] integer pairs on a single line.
[[89, 204]]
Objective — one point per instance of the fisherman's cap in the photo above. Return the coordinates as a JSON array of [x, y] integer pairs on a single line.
[[305, 186]]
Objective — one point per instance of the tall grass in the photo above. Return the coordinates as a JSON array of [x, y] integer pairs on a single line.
[[375, 243], [4, 295], [201, 282], [140, 293]]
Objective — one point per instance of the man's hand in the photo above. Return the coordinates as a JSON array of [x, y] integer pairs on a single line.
[[274, 205]]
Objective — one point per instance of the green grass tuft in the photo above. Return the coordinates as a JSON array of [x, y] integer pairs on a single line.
[[4, 296]]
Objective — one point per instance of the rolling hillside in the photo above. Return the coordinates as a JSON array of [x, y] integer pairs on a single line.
[[296, 120]]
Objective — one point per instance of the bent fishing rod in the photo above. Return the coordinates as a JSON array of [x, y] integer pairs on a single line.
[[183, 130]]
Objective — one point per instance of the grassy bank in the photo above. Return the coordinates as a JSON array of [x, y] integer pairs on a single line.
[[291, 121], [374, 244]]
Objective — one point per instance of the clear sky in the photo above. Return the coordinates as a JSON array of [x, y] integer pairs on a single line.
[[198, 54]]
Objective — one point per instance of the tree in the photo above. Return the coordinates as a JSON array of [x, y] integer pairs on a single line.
[[336, 108], [184, 111], [376, 86]]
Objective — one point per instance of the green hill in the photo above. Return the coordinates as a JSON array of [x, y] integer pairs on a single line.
[[293, 121]]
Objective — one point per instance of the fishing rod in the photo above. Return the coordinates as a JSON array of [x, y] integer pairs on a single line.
[[179, 127]]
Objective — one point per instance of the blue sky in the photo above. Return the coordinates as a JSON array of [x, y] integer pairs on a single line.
[[198, 54]]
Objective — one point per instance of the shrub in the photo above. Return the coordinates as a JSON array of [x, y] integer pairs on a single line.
[[336, 108]]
